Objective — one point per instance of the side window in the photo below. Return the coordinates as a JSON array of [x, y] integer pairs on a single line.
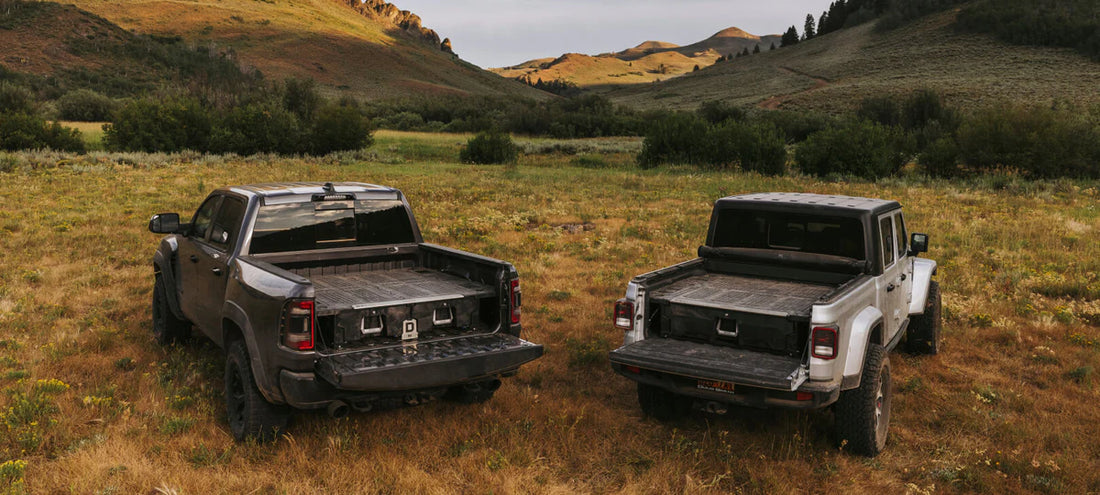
[[886, 229], [227, 223], [903, 237], [201, 223]]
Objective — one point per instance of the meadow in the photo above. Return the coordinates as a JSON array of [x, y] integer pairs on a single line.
[[90, 404]]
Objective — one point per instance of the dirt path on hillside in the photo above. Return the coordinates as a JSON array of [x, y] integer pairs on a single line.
[[775, 102]]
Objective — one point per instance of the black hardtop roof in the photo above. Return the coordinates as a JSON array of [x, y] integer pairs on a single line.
[[288, 190], [788, 200]]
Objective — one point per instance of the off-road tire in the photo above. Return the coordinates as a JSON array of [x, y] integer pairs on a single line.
[[167, 328], [863, 413], [250, 415], [923, 335], [472, 393], [661, 404]]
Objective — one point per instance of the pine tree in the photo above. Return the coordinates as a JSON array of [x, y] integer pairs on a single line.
[[808, 31], [745, 52], [790, 38], [773, 45], [756, 49]]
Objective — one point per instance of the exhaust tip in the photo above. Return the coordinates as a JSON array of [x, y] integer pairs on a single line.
[[338, 409]]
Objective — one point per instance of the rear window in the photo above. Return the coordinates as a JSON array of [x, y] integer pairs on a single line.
[[819, 234], [330, 224]]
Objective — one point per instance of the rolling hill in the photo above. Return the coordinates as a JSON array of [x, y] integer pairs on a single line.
[[647, 62], [835, 71], [371, 50]]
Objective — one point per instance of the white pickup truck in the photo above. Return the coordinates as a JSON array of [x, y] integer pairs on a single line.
[[794, 302]]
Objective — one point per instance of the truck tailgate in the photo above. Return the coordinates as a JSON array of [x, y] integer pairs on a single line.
[[711, 362], [427, 364]]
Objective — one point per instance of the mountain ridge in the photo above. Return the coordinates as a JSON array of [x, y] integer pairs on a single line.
[[647, 62]]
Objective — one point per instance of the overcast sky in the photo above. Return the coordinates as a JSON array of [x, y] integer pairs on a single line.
[[496, 33]]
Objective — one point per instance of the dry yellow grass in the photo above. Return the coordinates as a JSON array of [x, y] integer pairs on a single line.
[[1006, 408]]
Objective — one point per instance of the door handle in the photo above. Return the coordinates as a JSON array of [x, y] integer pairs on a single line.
[[890, 288], [216, 271], [194, 259]]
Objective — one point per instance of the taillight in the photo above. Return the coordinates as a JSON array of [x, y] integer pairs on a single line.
[[823, 343], [515, 300], [624, 314], [298, 324]]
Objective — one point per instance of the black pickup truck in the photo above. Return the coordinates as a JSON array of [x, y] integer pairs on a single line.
[[326, 296]]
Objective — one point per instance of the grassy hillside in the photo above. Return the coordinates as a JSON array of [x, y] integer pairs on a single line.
[[835, 71], [326, 40], [647, 62], [91, 404]]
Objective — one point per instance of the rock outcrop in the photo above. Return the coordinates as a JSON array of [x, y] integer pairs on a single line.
[[401, 19]]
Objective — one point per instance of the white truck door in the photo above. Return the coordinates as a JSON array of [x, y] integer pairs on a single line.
[[891, 292]]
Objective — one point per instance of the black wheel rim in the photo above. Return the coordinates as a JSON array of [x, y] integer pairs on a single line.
[[236, 398], [159, 322]]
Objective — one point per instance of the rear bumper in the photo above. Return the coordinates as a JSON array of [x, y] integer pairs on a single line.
[[757, 379], [409, 368]]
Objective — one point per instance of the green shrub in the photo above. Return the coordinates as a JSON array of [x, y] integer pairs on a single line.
[[16, 99], [754, 147], [1040, 141], [941, 158], [338, 128], [717, 112], [258, 127], [85, 105], [152, 125], [854, 147], [20, 131], [882, 109], [490, 147], [675, 138], [795, 126]]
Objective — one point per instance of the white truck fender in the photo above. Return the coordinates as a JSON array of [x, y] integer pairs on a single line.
[[861, 328], [923, 269]]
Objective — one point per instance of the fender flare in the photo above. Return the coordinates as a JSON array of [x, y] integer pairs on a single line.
[[923, 270], [233, 314], [166, 254], [862, 325]]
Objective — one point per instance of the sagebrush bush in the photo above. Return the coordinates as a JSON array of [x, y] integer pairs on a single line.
[[490, 147], [853, 147], [20, 131], [85, 105]]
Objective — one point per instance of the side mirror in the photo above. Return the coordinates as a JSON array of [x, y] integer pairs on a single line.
[[165, 223], [918, 244]]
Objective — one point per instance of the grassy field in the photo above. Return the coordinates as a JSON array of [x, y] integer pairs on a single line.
[[91, 405]]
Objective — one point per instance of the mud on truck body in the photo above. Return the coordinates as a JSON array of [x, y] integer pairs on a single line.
[[794, 302], [326, 296]]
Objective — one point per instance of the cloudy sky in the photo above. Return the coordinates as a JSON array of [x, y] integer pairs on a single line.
[[495, 33]]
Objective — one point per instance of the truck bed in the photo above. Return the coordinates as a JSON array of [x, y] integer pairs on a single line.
[[401, 286], [747, 294]]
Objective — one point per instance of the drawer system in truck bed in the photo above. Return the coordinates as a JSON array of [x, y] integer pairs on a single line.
[[404, 286], [740, 293]]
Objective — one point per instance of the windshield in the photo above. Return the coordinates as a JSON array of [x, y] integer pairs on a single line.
[[330, 224], [820, 234]]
